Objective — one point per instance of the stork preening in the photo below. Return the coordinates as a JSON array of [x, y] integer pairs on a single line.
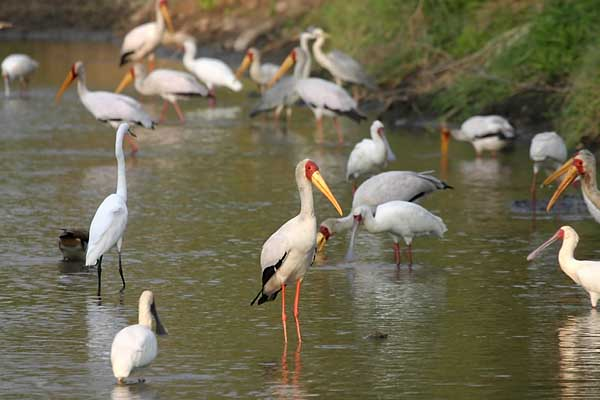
[[382, 188], [400, 219], [135, 346], [584, 273], [486, 133], [109, 222], [287, 254]]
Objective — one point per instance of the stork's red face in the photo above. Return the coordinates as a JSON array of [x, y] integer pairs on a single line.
[[325, 232], [322, 237], [311, 171], [578, 163], [250, 55], [570, 169]]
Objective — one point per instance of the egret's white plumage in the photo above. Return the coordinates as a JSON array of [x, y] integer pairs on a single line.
[[287, 254], [213, 72], [584, 273], [486, 133], [111, 108], [323, 97], [369, 155], [400, 219], [136, 346], [343, 67], [142, 40], [547, 151], [17, 67], [109, 222], [382, 188]]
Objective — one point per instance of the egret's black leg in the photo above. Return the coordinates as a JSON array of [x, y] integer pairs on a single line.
[[121, 273], [99, 274]]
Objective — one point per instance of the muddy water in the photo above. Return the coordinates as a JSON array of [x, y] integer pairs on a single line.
[[471, 320]]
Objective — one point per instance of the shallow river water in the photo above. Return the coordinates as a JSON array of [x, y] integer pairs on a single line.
[[471, 320]]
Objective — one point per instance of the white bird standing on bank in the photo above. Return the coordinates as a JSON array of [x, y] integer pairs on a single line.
[[323, 97], [486, 133], [382, 188], [17, 66], [343, 67], [111, 108], [287, 254], [584, 273], [169, 84], [212, 71], [369, 155], [142, 40], [109, 222], [399, 219], [260, 73], [547, 151], [136, 346]]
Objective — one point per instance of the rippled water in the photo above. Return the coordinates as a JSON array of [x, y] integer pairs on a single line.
[[472, 319]]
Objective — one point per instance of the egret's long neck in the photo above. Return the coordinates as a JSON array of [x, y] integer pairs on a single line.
[[307, 62], [590, 187], [81, 85], [566, 258], [144, 315], [121, 180], [307, 208]]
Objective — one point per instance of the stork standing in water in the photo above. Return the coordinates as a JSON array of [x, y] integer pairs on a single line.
[[261, 74], [584, 273], [111, 108], [399, 219], [369, 155], [136, 346], [17, 67], [486, 133], [287, 254], [142, 40], [212, 71], [109, 222], [323, 97], [583, 164], [547, 151], [169, 84], [343, 67], [382, 188]]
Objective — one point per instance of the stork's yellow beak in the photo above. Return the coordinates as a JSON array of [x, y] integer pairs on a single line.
[[127, 79], [243, 67], [68, 80], [164, 10], [321, 242], [320, 183], [570, 172], [287, 64]]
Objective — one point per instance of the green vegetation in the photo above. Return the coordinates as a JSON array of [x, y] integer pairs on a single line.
[[468, 56]]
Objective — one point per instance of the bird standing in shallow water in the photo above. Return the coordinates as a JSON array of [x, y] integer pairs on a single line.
[[585, 273], [73, 244], [135, 346], [548, 151], [287, 254]]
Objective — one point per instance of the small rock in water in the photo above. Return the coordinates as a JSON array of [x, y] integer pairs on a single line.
[[376, 335]]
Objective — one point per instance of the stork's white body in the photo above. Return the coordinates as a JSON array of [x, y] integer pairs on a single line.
[[369, 155], [142, 40], [169, 84], [17, 67], [213, 72], [486, 133], [547, 150]]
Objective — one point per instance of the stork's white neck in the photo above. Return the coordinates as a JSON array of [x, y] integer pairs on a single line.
[[82, 89], [589, 187], [121, 180], [307, 208], [318, 51], [307, 63]]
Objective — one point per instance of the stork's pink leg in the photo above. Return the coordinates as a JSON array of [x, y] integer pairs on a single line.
[[212, 99], [410, 255], [397, 253], [296, 311], [532, 190], [132, 144], [320, 130], [338, 129], [163, 111], [283, 316], [179, 113]]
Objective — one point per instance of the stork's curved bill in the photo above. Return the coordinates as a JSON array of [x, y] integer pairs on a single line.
[[570, 172]]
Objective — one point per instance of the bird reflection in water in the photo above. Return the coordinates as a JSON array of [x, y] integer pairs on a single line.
[[134, 392], [289, 387]]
